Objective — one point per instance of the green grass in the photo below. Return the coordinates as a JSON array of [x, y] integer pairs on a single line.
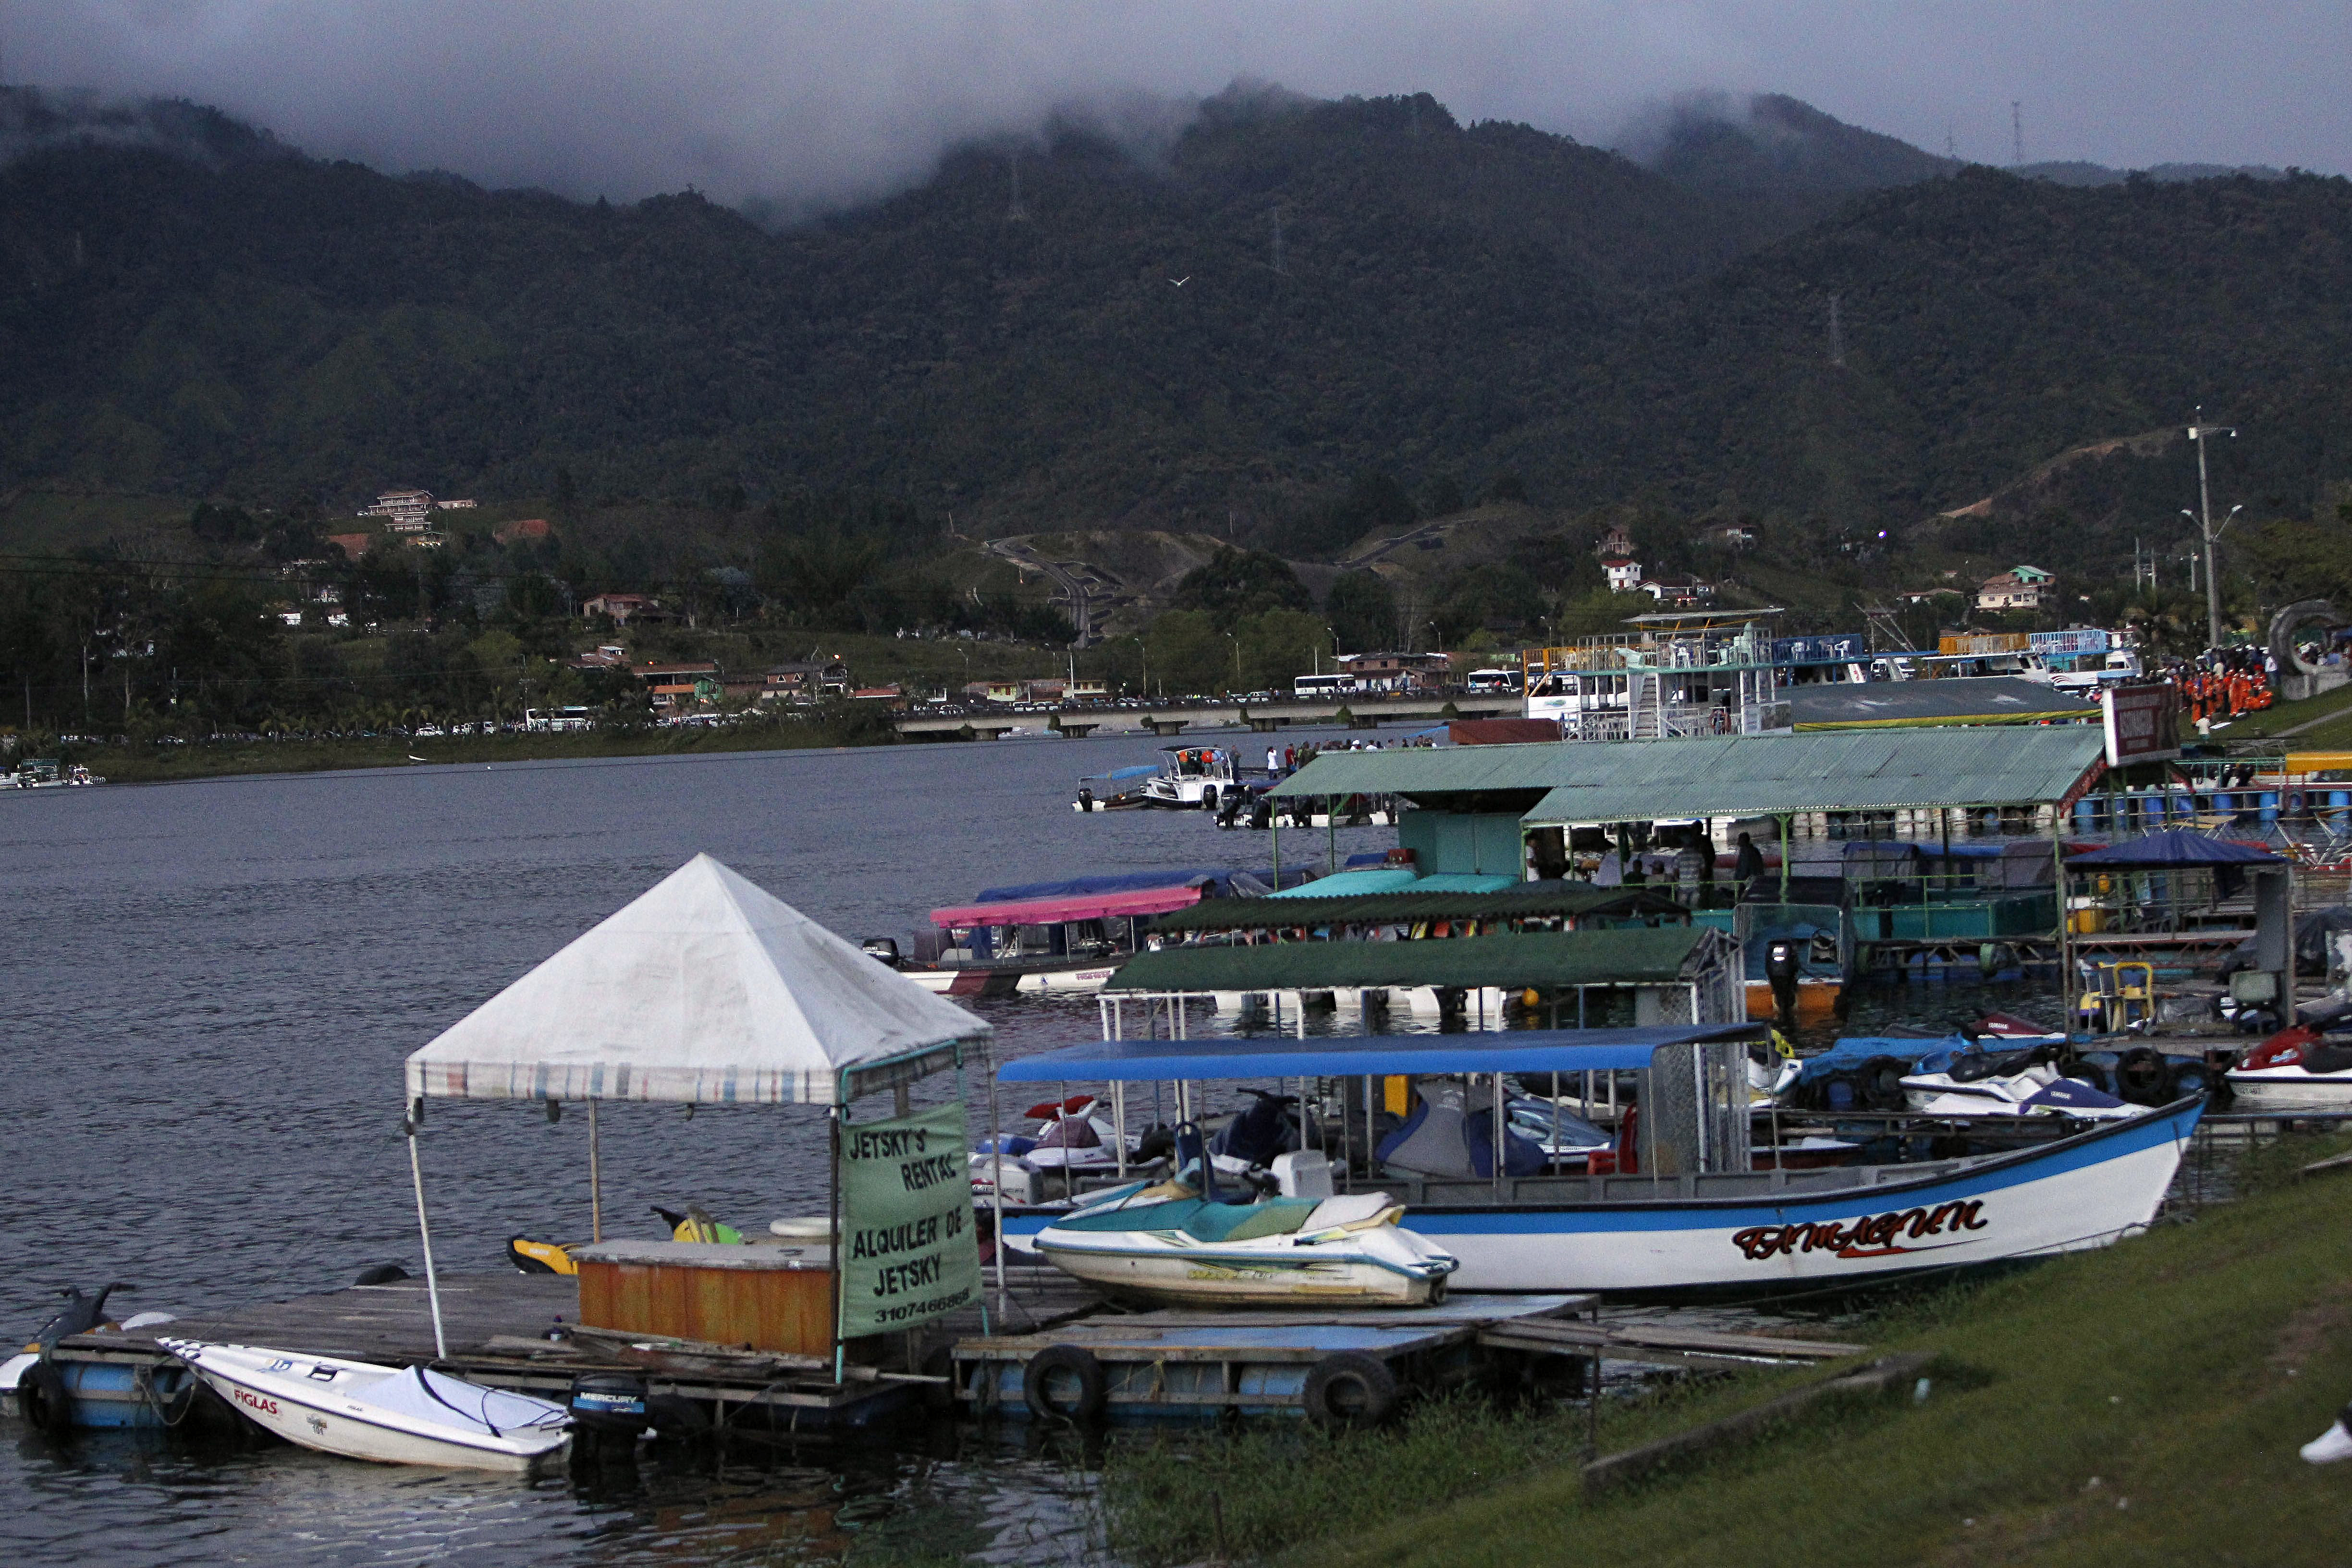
[[2181, 1371], [2288, 715]]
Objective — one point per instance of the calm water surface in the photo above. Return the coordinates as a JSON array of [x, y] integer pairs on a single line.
[[210, 988]]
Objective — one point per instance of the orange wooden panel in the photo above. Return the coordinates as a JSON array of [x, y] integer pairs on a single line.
[[768, 1309]]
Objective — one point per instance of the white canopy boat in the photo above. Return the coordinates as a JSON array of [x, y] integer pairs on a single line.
[[393, 1415], [1167, 1242]]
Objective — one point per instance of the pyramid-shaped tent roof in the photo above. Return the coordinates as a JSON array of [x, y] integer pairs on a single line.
[[705, 989]]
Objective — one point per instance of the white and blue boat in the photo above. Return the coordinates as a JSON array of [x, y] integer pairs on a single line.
[[1687, 1212]]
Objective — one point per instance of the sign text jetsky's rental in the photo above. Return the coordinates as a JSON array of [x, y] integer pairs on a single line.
[[907, 1251]]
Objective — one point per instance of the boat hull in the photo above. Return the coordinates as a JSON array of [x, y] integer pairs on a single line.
[[2272, 1089], [1072, 982], [2071, 1195], [318, 1416]]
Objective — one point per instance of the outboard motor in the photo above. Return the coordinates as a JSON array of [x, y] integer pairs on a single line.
[[608, 1412], [1783, 957], [1262, 813], [1085, 798], [883, 948]]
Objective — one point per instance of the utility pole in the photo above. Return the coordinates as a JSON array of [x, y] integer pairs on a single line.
[[2199, 432], [2016, 133]]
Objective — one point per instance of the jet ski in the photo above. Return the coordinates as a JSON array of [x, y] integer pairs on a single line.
[[1970, 1083], [533, 1256], [1177, 1241], [2298, 1068]]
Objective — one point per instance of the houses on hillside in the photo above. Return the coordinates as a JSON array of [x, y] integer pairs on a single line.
[[2019, 588]]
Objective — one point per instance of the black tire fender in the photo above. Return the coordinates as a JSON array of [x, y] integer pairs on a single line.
[[1348, 1389], [1063, 1361], [42, 1398], [2139, 1076], [1880, 1085]]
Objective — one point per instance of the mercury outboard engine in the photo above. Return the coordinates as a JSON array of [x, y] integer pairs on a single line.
[[608, 1412]]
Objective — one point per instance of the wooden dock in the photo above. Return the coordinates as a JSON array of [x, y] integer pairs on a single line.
[[1170, 1361]]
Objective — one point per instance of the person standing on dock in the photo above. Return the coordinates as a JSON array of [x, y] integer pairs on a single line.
[[1750, 863]]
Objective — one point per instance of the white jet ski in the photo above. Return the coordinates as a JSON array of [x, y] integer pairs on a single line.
[[2297, 1069], [2038, 1090], [393, 1415]]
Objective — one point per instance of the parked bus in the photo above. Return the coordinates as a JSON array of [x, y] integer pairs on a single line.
[[1499, 683], [1321, 687]]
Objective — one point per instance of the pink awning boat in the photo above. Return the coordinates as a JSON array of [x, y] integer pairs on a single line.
[[1082, 907]]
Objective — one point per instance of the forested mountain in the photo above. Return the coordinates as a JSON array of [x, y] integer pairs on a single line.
[[1230, 330]]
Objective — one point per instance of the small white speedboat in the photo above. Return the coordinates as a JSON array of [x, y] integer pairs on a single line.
[[1166, 1243], [394, 1416]]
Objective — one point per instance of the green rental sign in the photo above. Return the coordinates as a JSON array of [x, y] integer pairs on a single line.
[[907, 1251]]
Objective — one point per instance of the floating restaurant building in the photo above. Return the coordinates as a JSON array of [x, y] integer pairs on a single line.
[[1954, 800]]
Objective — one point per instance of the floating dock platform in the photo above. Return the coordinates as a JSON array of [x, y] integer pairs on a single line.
[[1334, 1368], [1056, 1349]]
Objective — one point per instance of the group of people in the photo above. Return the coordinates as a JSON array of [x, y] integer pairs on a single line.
[[1281, 762], [2222, 683]]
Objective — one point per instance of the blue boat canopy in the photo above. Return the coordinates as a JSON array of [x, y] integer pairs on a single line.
[[1364, 1055], [2177, 846]]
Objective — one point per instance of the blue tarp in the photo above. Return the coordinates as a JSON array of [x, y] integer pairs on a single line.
[[1121, 882], [1854, 1050], [2177, 846], [1360, 1056]]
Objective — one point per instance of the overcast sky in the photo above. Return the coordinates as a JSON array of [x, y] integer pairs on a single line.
[[828, 103]]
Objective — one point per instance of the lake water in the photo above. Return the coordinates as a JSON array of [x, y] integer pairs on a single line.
[[210, 990]]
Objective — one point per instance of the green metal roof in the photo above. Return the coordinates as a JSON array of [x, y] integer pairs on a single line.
[[1544, 900], [1730, 775], [1628, 955]]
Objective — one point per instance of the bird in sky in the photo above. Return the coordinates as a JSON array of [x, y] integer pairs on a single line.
[[1179, 282]]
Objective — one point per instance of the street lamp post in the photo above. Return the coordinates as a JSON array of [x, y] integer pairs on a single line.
[[2198, 432]]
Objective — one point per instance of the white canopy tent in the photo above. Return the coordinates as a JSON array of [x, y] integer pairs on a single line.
[[705, 989]]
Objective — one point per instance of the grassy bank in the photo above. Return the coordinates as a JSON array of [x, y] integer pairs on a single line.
[[2335, 708], [216, 759], [2142, 1403]]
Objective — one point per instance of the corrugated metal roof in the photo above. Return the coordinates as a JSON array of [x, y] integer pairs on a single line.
[[1732, 775], [1970, 700], [1543, 901], [1628, 955]]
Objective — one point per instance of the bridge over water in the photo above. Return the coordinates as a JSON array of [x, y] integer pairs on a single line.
[[1362, 712]]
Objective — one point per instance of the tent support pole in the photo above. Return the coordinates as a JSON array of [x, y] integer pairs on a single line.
[[595, 1179], [425, 1233], [840, 1352], [997, 1186]]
